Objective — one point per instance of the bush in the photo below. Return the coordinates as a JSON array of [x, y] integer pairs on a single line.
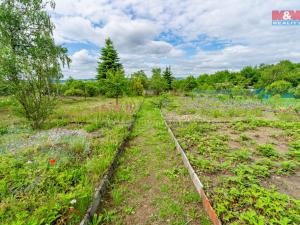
[[279, 87], [297, 91], [115, 84], [3, 130], [161, 101], [205, 87], [223, 86], [137, 87], [74, 92], [4, 89], [89, 88], [190, 83], [92, 89]]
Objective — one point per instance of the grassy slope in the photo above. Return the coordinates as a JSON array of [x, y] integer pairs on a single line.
[[151, 185]]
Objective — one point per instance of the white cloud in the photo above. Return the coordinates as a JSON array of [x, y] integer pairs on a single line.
[[83, 65], [76, 30], [83, 57], [135, 27]]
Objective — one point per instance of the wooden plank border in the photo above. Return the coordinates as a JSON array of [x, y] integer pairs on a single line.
[[197, 183], [104, 183]]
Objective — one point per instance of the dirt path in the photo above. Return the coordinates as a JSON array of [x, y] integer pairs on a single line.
[[151, 185]]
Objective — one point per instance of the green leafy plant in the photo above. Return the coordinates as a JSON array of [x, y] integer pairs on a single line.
[[240, 155], [287, 167], [96, 219], [267, 150]]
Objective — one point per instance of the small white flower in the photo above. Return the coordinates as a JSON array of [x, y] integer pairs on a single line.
[[29, 162], [73, 201]]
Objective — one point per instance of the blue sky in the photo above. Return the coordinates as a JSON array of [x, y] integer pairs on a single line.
[[192, 36]]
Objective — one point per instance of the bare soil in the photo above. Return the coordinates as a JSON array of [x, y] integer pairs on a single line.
[[289, 185], [269, 135], [260, 136]]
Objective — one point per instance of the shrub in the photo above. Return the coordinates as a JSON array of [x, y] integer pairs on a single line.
[[74, 92], [297, 91], [3, 130], [4, 89], [137, 87], [89, 88], [92, 89], [161, 101], [190, 83], [279, 87]]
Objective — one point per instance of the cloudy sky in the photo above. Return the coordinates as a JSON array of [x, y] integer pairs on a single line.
[[192, 36]]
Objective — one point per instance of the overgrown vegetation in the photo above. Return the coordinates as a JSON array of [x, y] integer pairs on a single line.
[[48, 177]]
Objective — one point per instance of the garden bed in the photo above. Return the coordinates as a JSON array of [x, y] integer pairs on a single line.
[[249, 167]]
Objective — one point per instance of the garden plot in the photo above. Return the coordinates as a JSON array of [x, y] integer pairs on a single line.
[[249, 166], [222, 109], [49, 176]]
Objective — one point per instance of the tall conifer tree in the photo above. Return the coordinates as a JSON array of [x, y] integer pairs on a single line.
[[168, 77], [108, 61]]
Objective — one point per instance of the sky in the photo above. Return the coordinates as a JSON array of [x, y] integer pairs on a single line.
[[191, 36]]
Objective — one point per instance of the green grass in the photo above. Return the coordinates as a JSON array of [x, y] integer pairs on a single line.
[[151, 185]]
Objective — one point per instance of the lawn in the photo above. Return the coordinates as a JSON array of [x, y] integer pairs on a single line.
[[49, 176], [245, 151]]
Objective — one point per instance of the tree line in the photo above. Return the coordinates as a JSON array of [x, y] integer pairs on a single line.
[[280, 78], [112, 82]]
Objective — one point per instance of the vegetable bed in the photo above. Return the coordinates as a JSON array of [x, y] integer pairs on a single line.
[[249, 167]]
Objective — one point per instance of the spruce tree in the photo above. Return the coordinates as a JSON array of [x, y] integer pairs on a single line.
[[167, 75], [108, 61]]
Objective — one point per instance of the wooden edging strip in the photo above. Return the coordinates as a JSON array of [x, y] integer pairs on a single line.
[[104, 183], [197, 183]]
